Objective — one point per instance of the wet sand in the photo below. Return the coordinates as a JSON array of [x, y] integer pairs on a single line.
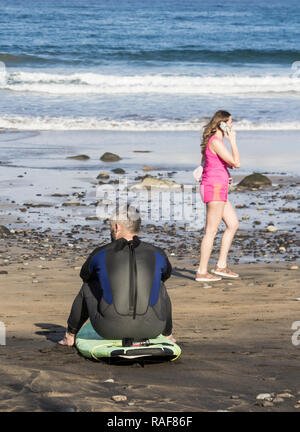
[[235, 339]]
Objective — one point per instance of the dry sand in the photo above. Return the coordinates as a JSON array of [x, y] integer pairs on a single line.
[[235, 339]]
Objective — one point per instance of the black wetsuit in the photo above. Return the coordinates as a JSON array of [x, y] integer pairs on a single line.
[[123, 292]]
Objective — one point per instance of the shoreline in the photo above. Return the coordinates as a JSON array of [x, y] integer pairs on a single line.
[[260, 150]]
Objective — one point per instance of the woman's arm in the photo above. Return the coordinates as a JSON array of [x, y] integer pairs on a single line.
[[231, 136], [222, 151]]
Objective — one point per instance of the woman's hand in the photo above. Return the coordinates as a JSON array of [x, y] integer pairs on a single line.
[[231, 135]]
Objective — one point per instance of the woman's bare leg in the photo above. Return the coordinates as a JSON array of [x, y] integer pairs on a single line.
[[214, 213], [231, 220]]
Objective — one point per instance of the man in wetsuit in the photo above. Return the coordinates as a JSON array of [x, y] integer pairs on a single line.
[[123, 291]]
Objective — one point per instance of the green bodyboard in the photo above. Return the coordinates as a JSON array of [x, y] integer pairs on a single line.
[[93, 346]]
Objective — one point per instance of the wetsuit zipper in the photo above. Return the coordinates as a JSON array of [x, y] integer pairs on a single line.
[[133, 285]]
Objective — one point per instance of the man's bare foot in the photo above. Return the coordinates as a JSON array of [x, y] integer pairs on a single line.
[[68, 340], [171, 338]]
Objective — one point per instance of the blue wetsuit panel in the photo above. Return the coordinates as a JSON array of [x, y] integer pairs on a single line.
[[98, 266], [160, 267]]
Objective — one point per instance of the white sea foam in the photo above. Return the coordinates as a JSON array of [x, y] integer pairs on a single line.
[[89, 123], [92, 83]]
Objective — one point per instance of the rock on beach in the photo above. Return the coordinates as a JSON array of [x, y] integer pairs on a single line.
[[110, 157]]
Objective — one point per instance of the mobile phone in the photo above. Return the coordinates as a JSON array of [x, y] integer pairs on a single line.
[[224, 126]]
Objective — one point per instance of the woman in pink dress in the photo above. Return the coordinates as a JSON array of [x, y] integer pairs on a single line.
[[214, 191]]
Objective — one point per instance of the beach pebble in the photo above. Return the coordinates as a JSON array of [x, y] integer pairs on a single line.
[[241, 206], [294, 267], [110, 157], [272, 228], [130, 403], [288, 209], [152, 182], [282, 249], [288, 197], [103, 175], [278, 400], [264, 396], [118, 171], [234, 397], [36, 204], [285, 395], [3, 272], [265, 403], [73, 202], [245, 217], [119, 398], [79, 157], [141, 151], [254, 180], [110, 380], [147, 168]]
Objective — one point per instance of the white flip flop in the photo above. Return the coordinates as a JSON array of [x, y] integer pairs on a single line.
[[224, 274], [206, 279]]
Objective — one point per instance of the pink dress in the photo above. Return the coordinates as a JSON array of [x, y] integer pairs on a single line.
[[215, 177]]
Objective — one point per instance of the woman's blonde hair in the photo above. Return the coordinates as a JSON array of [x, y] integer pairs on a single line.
[[211, 128]]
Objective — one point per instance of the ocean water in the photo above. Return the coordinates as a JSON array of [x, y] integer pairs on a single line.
[[148, 65]]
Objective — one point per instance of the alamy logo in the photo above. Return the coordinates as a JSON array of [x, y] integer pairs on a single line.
[[296, 334], [176, 204], [2, 333]]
